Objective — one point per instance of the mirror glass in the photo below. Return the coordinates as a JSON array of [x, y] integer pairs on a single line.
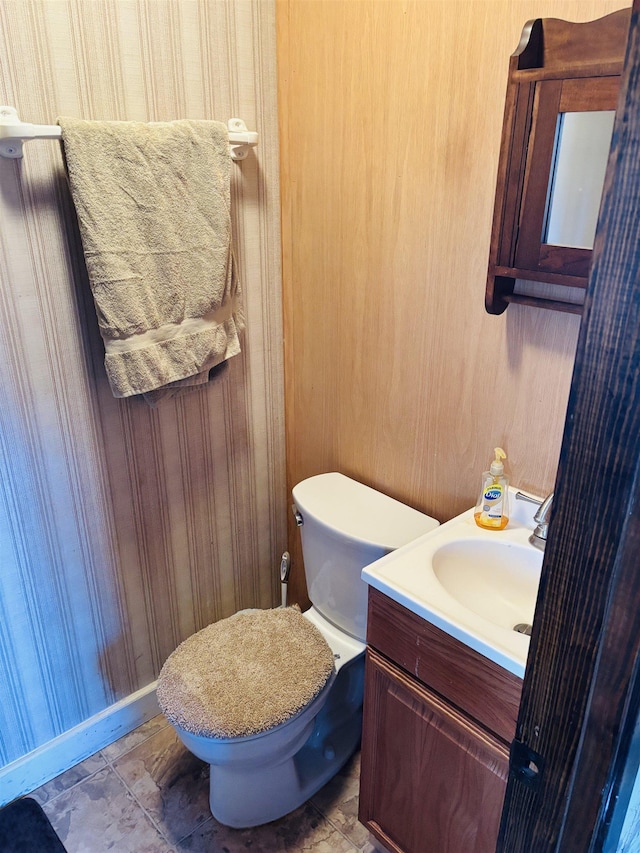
[[577, 178]]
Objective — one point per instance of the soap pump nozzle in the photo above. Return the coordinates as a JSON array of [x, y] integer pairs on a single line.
[[497, 467]]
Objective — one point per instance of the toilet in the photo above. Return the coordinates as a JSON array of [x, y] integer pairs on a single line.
[[272, 699]]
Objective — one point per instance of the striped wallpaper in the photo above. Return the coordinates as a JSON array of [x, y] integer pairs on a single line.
[[125, 528]]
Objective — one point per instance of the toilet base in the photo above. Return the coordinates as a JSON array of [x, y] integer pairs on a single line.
[[242, 798], [245, 799]]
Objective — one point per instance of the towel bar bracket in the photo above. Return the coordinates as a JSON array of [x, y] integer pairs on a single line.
[[240, 139], [13, 133]]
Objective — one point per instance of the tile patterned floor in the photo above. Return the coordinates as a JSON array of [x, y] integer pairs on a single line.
[[146, 794]]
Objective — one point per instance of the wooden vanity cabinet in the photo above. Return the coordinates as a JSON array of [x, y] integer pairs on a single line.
[[437, 726]]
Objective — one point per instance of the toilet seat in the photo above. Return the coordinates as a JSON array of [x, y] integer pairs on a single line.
[[245, 674]]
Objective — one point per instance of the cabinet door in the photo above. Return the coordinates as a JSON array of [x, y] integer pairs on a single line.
[[432, 781]]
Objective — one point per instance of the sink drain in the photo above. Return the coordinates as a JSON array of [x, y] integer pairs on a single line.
[[523, 628]]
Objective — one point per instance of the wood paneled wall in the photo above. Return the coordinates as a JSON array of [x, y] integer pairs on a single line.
[[124, 529], [390, 118]]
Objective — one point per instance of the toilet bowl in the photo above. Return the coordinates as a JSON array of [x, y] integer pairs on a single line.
[[292, 746]]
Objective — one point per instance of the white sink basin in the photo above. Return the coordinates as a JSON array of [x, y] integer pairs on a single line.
[[497, 580], [474, 584]]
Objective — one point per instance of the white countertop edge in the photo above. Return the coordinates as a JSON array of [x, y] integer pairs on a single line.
[[512, 664]]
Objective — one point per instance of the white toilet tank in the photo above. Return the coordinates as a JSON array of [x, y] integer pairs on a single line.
[[345, 526]]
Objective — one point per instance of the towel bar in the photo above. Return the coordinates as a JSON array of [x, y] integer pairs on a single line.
[[14, 132]]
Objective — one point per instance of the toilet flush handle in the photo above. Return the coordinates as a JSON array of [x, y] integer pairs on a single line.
[[296, 514]]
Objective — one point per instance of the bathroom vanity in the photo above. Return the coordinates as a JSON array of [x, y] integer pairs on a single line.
[[446, 654], [439, 718]]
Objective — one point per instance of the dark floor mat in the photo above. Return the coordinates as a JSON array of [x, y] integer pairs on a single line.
[[25, 828]]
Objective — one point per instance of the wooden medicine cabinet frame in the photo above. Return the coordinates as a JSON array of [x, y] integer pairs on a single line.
[[558, 67]]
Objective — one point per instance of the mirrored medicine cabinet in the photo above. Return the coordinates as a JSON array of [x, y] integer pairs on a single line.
[[558, 121]]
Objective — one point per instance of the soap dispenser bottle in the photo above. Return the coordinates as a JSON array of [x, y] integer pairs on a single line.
[[492, 509]]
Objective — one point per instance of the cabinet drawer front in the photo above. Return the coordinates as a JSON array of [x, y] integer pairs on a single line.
[[481, 688], [432, 780]]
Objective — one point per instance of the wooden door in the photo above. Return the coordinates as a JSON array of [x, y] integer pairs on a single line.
[[581, 694]]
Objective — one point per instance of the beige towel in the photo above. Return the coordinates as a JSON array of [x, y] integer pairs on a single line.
[[153, 209]]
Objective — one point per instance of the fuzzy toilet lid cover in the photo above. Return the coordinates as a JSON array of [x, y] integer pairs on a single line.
[[245, 674]]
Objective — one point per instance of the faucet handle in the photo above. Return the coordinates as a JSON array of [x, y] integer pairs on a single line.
[[520, 496]]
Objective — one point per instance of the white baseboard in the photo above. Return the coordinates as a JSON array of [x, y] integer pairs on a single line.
[[54, 757]]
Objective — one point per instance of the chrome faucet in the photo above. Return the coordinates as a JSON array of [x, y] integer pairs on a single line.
[[539, 536]]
